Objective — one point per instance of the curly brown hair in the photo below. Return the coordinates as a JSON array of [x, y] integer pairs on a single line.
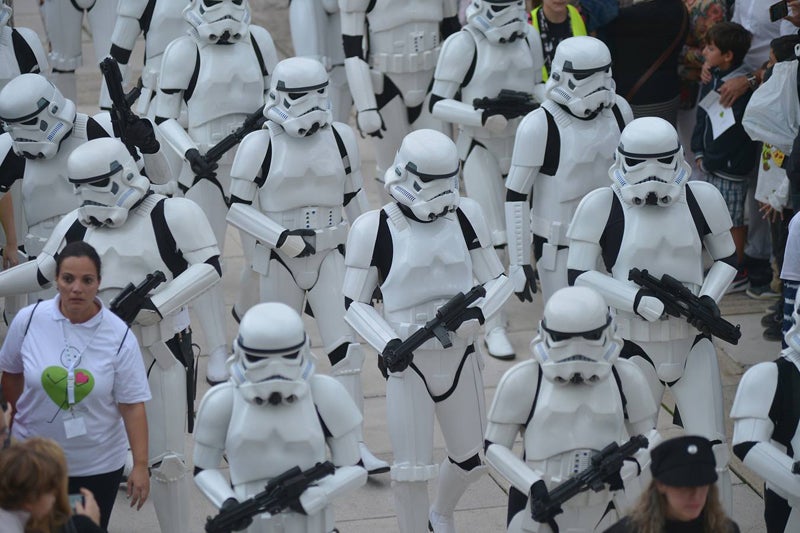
[[649, 514]]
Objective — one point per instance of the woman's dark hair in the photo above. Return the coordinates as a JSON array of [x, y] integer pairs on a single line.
[[78, 249]]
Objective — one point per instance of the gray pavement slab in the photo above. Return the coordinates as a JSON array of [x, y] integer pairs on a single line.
[[371, 508]]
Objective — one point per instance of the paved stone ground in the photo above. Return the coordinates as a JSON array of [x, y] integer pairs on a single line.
[[370, 509]]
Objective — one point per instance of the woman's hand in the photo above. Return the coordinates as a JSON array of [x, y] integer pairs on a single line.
[[89, 507], [138, 485], [10, 256]]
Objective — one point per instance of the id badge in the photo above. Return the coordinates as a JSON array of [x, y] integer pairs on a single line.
[[74, 427]]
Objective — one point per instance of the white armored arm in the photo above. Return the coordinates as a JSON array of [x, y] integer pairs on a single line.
[[359, 78], [27, 277], [307, 19], [717, 280], [176, 136], [752, 431], [267, 47], [211, 429], [247, 165], [190, 284], [253, 222], [127, 29], [177, 66], [356, 202], [451, 69], [369, 323], [621, 295], [509, 412], [35, 44]]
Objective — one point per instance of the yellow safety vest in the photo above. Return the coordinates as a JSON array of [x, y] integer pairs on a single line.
[[575, 21]]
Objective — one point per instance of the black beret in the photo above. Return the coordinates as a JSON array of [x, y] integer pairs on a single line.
[[684, 462]]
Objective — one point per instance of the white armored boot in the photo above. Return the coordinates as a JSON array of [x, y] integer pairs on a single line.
[[453, 482], [496, 338], [348, 373], [411, 503], [169, 490]]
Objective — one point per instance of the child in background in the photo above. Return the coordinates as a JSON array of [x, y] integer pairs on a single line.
[[727, 158]]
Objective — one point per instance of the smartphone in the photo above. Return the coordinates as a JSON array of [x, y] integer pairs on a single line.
[[778, 10], [74, 499]]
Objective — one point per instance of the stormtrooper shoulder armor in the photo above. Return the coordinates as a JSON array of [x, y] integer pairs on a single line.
[[266, 46], [336, 410], [712, 204], [756, 392], [591, 216], [178, 64], [250, 155], [640, 405], [515, 394], [32, 38], [473, 213], [361, 240], [190, 228], [455, 57], [213, 418]]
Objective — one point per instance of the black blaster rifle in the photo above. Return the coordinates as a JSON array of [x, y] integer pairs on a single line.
[[448, 317], [121, 114], [278, 494], [604, 465], [680, 302], [130, 300], [252, 122], [510, 104]]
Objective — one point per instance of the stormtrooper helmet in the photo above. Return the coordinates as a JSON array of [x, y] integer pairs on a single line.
[[580, 76], [36, 115], [271, 357], [5, 15], [219, 21], [649, 167], [298, 96], [424, 176], [501, 21], [577, 341], [107, 180], [792, 337]]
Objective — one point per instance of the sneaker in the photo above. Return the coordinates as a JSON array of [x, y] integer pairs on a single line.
[[740, 283], [773, 333], [762, 292]]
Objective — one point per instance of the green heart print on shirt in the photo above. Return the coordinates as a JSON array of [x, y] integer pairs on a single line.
[[54, 381]]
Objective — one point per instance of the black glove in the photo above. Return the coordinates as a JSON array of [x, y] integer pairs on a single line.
[[200, 167], [530, 286], [449, 26], [393, 361], [308, 249], [541, 511], [141, 133], [712, 307], [230, 503]]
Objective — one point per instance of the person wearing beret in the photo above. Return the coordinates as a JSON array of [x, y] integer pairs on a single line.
[[682, 497]]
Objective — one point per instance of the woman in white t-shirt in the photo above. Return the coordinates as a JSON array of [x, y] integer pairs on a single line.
[[73, 372]]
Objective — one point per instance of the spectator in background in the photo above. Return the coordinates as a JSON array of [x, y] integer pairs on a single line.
[[682, 496], [645, 42], [728, 156], [702, 15], [33, 491], [556, 20], [75, 336]]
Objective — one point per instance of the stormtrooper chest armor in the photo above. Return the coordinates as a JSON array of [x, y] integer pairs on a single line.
[[129, 252], [264, 441], [663, 240], [586, 152], [570, 420], [297, 180], [46, 192], [499, 66], [229, 86], [430, 264]]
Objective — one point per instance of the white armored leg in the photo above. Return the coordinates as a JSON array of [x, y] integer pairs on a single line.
[[249, 279], [169, 491], [210, 311], [453, 482], [395, 119], [348, 373], [483, 182], [552, 269], [698, 395]]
